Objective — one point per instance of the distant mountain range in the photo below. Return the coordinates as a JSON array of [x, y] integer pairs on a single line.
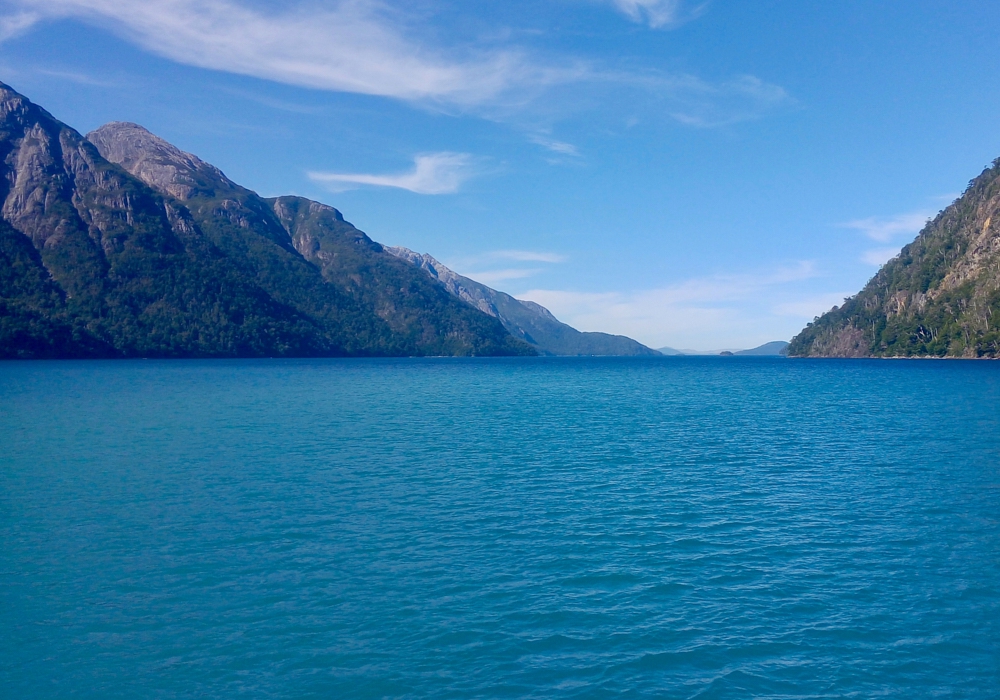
[[940, 297], [526, 320], [122, 245], [775, 347]]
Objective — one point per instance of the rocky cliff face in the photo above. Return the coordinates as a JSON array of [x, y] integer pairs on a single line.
[[122, 245], [126, 274], [159, 164], [526, 320], [414, 307], [469, 291], [940, 297]]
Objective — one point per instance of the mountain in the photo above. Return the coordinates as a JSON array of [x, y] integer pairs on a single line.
[[526, 320], [775, 347], [121, 245], [688, 352], [939, 297]]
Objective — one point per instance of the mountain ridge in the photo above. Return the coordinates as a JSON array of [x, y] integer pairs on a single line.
[[177, 260], [530, 322]]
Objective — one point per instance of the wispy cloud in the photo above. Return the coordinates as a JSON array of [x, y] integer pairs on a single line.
[[433, 173], [885, 228], [75, 77], [879, 256], [695, 102], [946, 198], [472, 267], [525, 256], [702, 312], [351, 46], [367, 47], [16, 23], [281, 105], [658, 13], [688, 99], [490, 277], [559, 147], [810, 307]]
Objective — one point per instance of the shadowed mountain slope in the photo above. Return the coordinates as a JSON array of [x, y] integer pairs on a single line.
[[939, 297], [527, 320], [158, 254]]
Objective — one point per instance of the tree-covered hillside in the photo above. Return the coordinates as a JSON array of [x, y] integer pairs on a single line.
[[158, 254], [940, 297]]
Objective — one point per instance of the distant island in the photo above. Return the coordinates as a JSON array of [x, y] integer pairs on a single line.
[[119, 244], [940, 297]]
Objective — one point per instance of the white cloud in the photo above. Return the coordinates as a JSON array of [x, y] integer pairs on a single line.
[[281, 105], [885, 228], [490, 277], [695, 102], [74, 77], [657, 13], [525, 256], [560, 147], [350, 46], [692, 101], [433, 173], [17, 23], [947, 198], [708, 312], [879, 256], [810, 307], [367, 47]]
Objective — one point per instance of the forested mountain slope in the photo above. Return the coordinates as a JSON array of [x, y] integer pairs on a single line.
[[526, 320], [158, 254], [939, 297]]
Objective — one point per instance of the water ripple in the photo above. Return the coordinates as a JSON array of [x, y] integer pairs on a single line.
[[538, 528]]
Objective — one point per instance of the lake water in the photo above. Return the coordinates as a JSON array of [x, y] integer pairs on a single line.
[[473, 528]]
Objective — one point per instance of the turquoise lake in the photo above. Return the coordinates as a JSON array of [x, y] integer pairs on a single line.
[[500, 528]]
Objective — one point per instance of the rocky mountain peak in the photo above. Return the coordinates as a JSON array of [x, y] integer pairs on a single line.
[[159, 164], [10, 101]]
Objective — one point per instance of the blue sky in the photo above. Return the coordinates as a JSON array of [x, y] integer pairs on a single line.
[[693, 174]]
